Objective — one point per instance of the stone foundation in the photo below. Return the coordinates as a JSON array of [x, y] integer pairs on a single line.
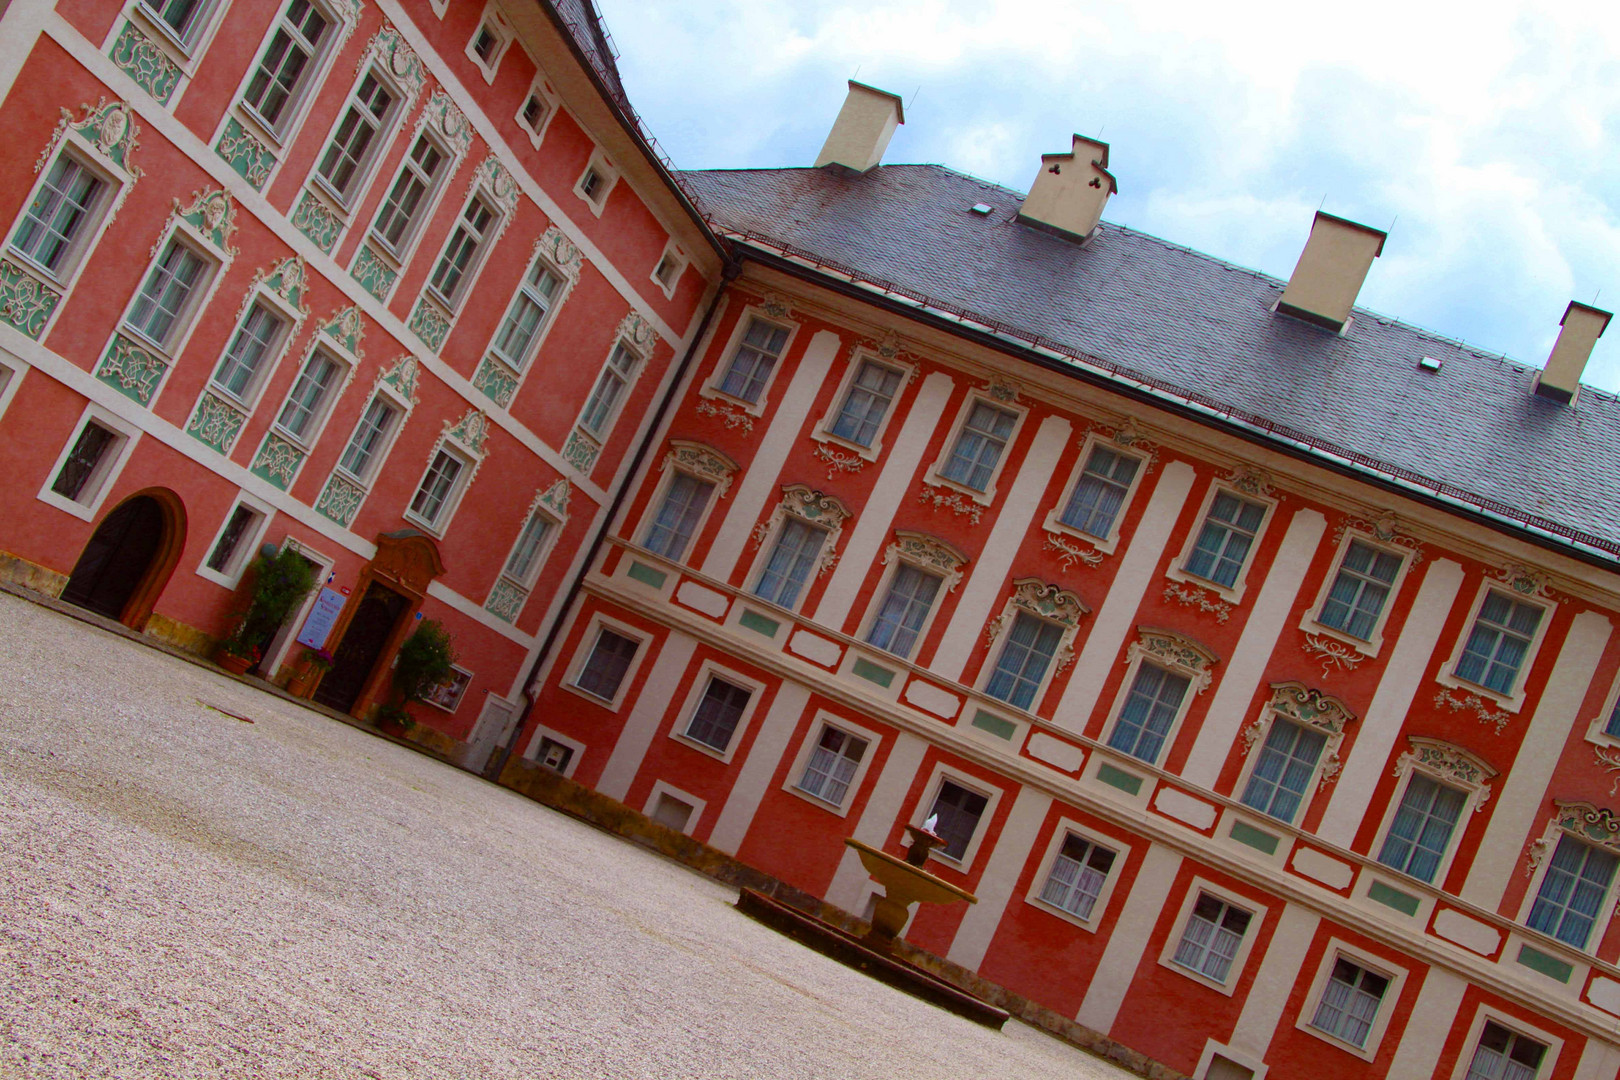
[[16, 570], [181, 636]]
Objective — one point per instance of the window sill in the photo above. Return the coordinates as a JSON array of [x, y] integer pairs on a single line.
[[1056, 526], [709, 390], [1507, 703], [600, 702], [1231, 594], [426, 525], [29, 266], [1338, 1043], [79, 510], [723, 756], [1198, 977], [865, 453], [817, 801], [933, 478], [322, 188], [1088, 925], [258, 127], [1369, 649]]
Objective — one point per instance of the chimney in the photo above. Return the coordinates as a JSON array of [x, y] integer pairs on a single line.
[[1330, 271], [1582, 326], [1070, 191], [863, 128]]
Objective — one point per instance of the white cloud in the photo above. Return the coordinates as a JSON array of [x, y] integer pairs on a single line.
[[1484, 132]]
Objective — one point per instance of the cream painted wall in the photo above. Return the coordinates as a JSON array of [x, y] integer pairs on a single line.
[[754, 778], [882, 809], [1014, 848], [1129, 940], [1279, 970], [645, 716]]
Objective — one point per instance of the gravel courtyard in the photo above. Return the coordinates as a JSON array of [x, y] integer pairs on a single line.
[[183, 894]]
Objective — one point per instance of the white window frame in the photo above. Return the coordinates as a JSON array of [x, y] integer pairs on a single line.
[[664, 787], [823, 720], [186, 320], [554, 525], [935, 476], [669, 467], [1255, 736], [711, 669], [1310, 621], [547, 321], [117, 184], [279, 135], [1490, 1014], [607, 174], [1406, 766], [835, 515], [711, 385], [823, 432], [1257, 915], [601, 435], [542, 732], [107, 469], [1054, 522], [678, 260], [992, 794], [366, 171], [1198, 681], [185, 50], [1066, 827], [12, 370], [486, 244], [501, 30], [893, 558], [403, 407], [426, 210], [246, 546], [582, 655], [293, 318], [470, 461], [1549, 844], [540, 89], [1513, 702], [1232, 594], [1387, 1005], [346, 364], [1595, 731]]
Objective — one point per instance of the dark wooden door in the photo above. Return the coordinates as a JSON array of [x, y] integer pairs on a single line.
[[362, 644], [117, 558]]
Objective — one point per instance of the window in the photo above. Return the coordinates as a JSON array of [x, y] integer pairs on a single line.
[[593, 187], [1149, 712], [1360, 590], [792, 562], [1211, 938], [438, 486], [474, 227], [1284, 770], [1612, 725], [832, 765], [60, 216], [1078, 874], [355, 141], [866, 403], [535, 111], [486, 45], [1349, 1003], [525, 556], [1505, 1055], [1030, 646], [958, 811], [979, 446], [671, 530], [86, 462], [1496, 647], [905, 609], [668, 270], [754, 360], [718, 713], [408, 200], [369, 438], [182, 18], [521, 327], [279, 77], [605, 668], [167, 294], [226, 558], [1224, 542], [254, 340], [1572, 893], [1098, 495], [311, 393], [610, 386], [1422, 828], [554, 755]]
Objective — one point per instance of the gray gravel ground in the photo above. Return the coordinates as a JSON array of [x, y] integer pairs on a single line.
[[186, 895]]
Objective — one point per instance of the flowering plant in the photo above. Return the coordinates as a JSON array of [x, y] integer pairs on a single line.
[[318, 659]]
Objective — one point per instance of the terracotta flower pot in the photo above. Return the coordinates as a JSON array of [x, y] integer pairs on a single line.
[[302, 684], [236, 665]]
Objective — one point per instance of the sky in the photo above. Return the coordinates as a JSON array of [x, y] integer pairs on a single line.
[[1484, 137]]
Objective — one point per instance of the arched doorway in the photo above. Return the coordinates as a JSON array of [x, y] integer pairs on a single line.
[[129, 558]]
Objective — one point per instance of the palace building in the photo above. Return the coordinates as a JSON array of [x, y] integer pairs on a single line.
[[1257, 653]]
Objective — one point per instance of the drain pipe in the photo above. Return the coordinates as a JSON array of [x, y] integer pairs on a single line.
[[492, 768]]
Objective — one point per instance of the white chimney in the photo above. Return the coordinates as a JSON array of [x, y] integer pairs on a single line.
[[1330, 271], [1070, 191], [863, 128], [1582, 326]]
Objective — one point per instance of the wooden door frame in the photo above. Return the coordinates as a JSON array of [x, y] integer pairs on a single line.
[[137, 610]]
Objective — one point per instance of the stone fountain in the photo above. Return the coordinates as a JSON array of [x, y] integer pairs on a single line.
[[905, 883]]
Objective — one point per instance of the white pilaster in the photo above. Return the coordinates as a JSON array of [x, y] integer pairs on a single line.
[[763, 477], [655, 697], [882, 809], [1132, 929], [1113, 621], [1599, 1061], [1377, 731], [1001, 873], [1237, 684], [1279, 969], [754, 778], [1523, 788], [872, 524], [982, 593], [1431, 1017]]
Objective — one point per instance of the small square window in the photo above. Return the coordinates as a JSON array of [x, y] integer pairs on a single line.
[[1350, 1002], [718, 714], [486, 45], [1505, 1055], [1079, 872], [604, 670], [591, 184], [534, 112], [956, 812], [832, 765], [668, 269], [87, 463], [1212, 937]]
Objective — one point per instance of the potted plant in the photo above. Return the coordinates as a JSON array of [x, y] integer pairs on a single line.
[[312, 665], [425, 660], [280, 583]]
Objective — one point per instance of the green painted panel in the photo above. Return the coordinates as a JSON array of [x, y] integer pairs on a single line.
[[1129, 783], [998, 726], [759, 623], [139, 57], [1551, 966], [1405, 903], [872, 673], [646, 575], [1244, 833]]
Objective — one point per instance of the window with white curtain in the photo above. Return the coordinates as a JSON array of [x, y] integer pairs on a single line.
[[957, 811], [1094, 505], [979, 446], [1284, 769], [1025, 657], [753, 361], [1360, 590], [1224, 542], [792, 562], [1573, 890], [1501, 636], [866, 403], [1149, 712], [670, 532], [904, 611], [832, 765], [1211, 938], [1350, 1001], [1505, 1055], [1079, 872], [1421, 830]]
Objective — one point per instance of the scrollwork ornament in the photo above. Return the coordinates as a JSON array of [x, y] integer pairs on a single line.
[[562, 253], [1251, 480], [1448, 762], [702, 461], [1048, 601], [1172, 649], [1069, 552], [728, 415], [1332, 655], [1385, 528], [928, 552], [1188, 595], [936, 498], [838, 461], [1498, 718]]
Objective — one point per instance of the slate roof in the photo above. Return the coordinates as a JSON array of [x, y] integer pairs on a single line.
[[585, 24], [1202, 325]]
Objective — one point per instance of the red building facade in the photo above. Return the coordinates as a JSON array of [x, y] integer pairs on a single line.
[[1266, 690]]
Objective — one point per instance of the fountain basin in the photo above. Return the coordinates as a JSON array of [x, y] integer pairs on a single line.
[[904, 883]]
